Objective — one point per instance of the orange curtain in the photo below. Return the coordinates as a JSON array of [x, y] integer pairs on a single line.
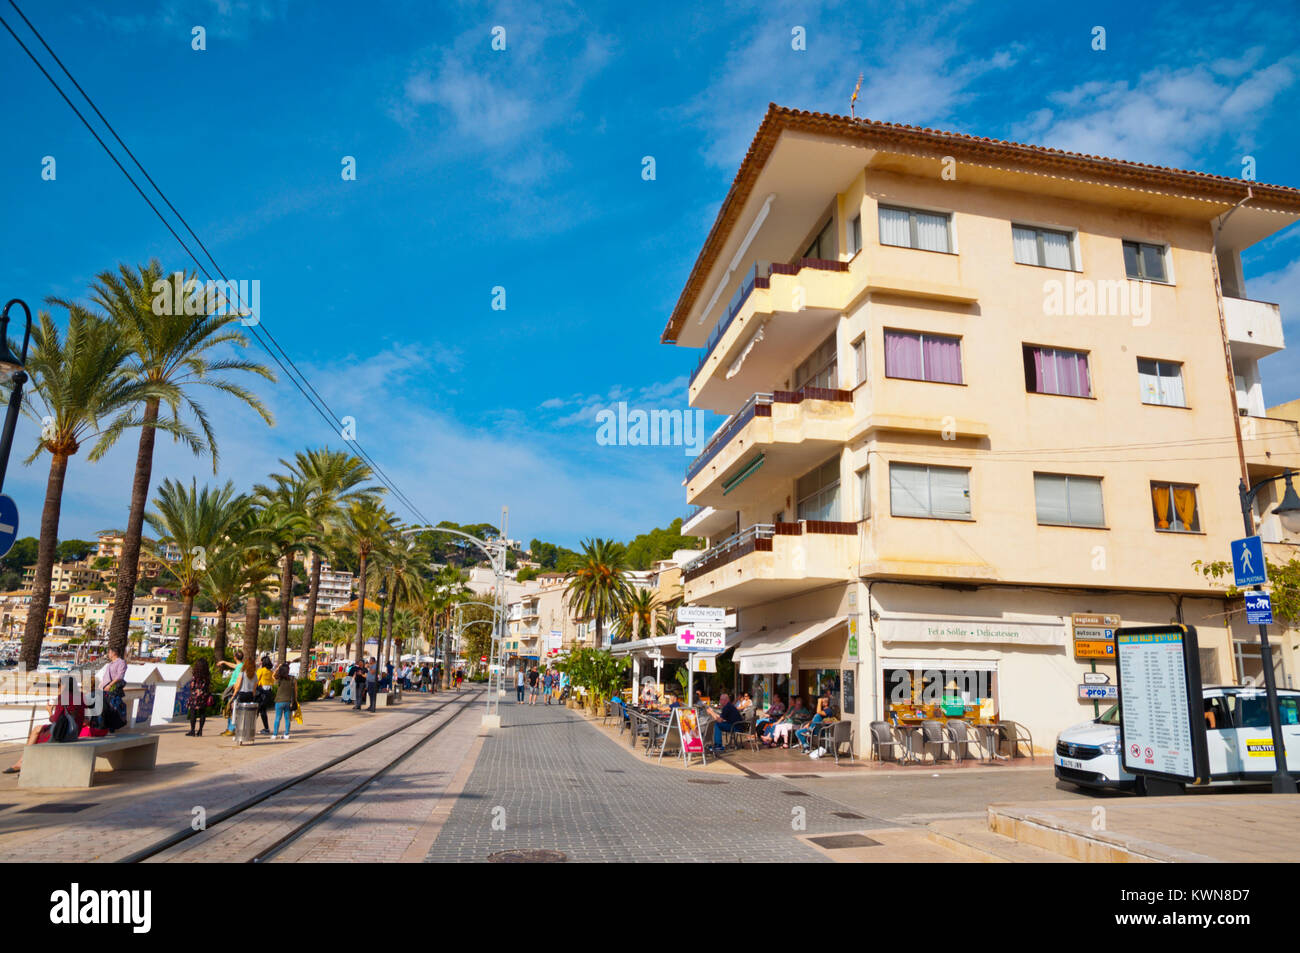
[[1185, 504], [1160, 496]]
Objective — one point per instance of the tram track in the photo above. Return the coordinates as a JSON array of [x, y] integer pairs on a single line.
[[458, 707]]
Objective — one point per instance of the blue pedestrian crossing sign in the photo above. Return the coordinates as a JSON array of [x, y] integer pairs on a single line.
[[8, 524], [1248, 562], [1259, 609]]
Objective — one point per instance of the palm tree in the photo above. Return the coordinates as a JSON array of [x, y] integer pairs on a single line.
[[286, 507], [334, 480], [174, 355], [599, 588], [256, 569], [79, 392], [222, 583], [634, 618], [364, 527], [195, 522], [666, 611], [396, 568]]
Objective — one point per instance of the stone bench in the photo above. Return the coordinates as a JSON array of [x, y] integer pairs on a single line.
[[71, 764], [387, 699]]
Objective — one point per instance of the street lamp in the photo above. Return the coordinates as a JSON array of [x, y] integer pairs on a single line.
[[12, 367], [1288, 512], [379, 634]]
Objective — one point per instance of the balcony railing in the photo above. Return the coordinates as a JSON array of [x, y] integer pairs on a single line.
[[758, 538], [760, 405], [759, 276]]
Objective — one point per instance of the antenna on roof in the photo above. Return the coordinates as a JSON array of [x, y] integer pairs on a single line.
[[854, 98]]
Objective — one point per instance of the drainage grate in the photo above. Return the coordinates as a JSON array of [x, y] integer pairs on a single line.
[[615, 771], [848, 815], [796, 793], [797, 776], [840, 841], [704, 781], [528, 857], [55, 808]]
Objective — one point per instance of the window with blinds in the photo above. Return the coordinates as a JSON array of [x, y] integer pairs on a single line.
[[1175, 508], [933, 492], [818, 493], [1063, 500], [910, 228], [1044, 247], [1161, 382]]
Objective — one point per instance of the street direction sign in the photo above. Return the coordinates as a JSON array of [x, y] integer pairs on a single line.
[[1259, 608], [701, 614], [1096, 678], [1098, 693], [1248, 562], [1094, 648], [701, 638], [8, 524]]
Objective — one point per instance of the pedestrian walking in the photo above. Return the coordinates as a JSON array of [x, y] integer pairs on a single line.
[[286, 698], [200, 696], [519, 686], [533, 679], [372, 682], [359, 685], [228, 694], [265, 691]]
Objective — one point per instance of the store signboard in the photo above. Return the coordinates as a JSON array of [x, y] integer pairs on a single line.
[[701, 638], [971, 630], [701, 614], [1162, 723], [704, 663], [1098, 693], [852, 648]]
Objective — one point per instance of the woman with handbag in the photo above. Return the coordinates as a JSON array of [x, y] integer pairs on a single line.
[[265, 691], [67, 717], [200, 696], [111, 680]]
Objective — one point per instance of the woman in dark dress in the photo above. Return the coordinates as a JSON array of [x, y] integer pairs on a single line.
[[200, 695]]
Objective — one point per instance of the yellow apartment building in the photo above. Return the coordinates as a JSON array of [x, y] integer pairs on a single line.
[[973, 388]]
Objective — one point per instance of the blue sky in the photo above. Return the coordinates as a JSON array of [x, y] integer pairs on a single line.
[[522, 169]]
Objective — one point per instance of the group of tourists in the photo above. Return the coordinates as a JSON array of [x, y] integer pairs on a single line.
[[94, 713], [551, 684], [261, 684]]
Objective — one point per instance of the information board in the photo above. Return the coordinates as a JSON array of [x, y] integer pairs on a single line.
[[1162, 720]]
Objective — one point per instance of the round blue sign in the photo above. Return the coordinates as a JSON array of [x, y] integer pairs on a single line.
[[8, 524]]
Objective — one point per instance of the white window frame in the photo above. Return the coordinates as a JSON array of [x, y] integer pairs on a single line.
[[1196, 491], [864, 493], [1068, 477], [1071, 234], [1165, 260], [853, 237], [1161, 363], [970, 518], [860, 365], [912, 232]]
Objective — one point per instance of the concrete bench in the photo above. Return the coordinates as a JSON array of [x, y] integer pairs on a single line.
[[387, 699], [71, 764]]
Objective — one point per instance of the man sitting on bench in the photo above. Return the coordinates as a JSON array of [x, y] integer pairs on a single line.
[[67, 716]]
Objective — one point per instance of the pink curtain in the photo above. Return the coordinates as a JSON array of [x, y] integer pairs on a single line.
[[903, 355], [943, 360], [1061, 372]]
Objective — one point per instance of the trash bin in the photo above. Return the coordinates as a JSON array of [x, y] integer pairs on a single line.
[[245, 722]]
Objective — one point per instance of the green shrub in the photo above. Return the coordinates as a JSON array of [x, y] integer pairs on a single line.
[[337, 686], [309, 690], [482, 677]]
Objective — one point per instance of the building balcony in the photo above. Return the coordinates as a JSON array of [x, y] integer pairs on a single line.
[[709, 522], [772, 438], [771, 561], [1271, 442], [777, 311], [1254, 327]]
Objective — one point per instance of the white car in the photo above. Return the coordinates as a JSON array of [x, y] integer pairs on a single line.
[[1238, 740]]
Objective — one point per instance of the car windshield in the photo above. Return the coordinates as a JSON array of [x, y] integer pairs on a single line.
[[1110, 716]]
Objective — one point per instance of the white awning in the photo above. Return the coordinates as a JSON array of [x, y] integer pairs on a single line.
[[772, 650]]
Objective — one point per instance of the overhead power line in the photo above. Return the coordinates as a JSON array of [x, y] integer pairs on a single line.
[[258, 330]]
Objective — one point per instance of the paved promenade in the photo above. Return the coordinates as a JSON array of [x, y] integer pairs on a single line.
[[108, 822], [548, 780]]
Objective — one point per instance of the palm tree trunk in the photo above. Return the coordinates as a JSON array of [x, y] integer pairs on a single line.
[[309, 623], [219, 643], [361, 608], [128, 567], [34, 634], [252, 619], [286, 609], [392, 609], [183, 646]]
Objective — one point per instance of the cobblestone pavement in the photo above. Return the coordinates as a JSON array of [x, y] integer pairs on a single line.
[[554, 782], [113, 830]]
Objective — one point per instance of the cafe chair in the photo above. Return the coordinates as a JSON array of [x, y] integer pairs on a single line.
[[934, 736], [1018, 735], [883, 739], [743, 732], [962, 736], [837, 734]]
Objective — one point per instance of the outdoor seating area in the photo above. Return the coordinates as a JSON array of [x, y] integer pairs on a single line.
[[931, 741]]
